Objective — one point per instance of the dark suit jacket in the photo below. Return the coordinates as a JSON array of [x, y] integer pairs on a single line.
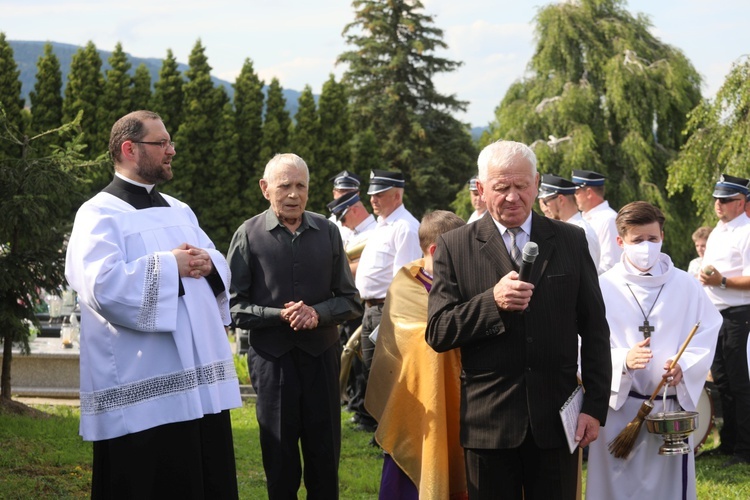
[[519, 368]]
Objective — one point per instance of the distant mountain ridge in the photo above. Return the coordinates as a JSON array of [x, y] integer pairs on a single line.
[[27, 53]]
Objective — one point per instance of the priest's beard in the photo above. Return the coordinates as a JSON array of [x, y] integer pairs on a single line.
[[153, 172]]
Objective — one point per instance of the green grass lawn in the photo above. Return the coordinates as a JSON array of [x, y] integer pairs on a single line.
[[45, 458]]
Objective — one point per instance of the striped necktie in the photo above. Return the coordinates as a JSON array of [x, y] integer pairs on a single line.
[[515, 252]]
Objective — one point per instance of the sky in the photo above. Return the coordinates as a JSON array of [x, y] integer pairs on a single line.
[[298, 41]]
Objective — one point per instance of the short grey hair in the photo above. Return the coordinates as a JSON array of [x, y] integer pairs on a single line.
[[501, 153], [284, 159]]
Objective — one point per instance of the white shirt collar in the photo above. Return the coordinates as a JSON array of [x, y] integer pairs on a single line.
[[395, 215], [526, 226], [148, 187]]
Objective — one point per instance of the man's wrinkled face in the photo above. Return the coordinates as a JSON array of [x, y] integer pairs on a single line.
[[287, 192], [510, 191]]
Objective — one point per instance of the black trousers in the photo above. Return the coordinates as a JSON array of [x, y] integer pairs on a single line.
[[523, 473], [370, 320], [730, 373], [193, 459], [298, 405], [355, 386]]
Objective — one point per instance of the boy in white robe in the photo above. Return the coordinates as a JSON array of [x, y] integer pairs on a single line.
[[651, 309], [157, 373]]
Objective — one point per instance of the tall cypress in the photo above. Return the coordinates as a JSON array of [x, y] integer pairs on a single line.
[[168, 97], [304, 140], [334, 150], [46, 100], [203, 107], [141, 96], [10, 98], [117, 97], [224, 212], [83, 93], [248, 105], [275, 126]]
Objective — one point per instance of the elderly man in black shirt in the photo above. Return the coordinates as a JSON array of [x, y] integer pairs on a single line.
[[291, 286]]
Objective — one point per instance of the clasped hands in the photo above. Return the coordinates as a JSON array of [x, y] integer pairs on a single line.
[[300, 316], [192, 262], [639, 357], [512, 294]]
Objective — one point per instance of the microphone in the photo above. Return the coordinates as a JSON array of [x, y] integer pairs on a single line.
[[530, 252]]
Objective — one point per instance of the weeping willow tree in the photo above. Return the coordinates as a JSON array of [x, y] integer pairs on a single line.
[[603, 93], [719, 132]]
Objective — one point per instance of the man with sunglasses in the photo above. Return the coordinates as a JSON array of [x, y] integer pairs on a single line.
[[726, 280], [344, 183], [157, 374], [349, 213], [557, 201]]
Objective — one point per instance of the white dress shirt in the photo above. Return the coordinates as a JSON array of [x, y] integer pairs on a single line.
[[602, 219], [728, 250], [393, 243], [591, 237]]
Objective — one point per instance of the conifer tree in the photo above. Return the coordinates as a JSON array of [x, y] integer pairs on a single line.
[[38, 197], [275, 126], [334, 152], [225, 211], [248, 105], [141, 97], [195, 139], [605, 94], [46, 100], [303, 141], [389, 76], [10, 96], [117, 97], [719, 134], [83, 93], [366, 154], [168, 98]]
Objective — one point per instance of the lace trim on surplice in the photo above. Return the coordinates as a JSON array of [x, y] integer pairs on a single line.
[[117, 398]]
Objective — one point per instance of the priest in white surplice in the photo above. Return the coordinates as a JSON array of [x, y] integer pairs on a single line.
[[157, 373], [651, 308]]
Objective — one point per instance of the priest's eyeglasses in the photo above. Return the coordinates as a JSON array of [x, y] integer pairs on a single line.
[[162, 143]]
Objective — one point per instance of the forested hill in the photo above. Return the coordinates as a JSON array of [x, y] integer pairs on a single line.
[[27, 54]]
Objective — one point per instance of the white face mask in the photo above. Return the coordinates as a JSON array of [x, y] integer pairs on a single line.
[[643, 255]]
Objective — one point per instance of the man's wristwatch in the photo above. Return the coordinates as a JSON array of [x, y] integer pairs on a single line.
[[723, 285]]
